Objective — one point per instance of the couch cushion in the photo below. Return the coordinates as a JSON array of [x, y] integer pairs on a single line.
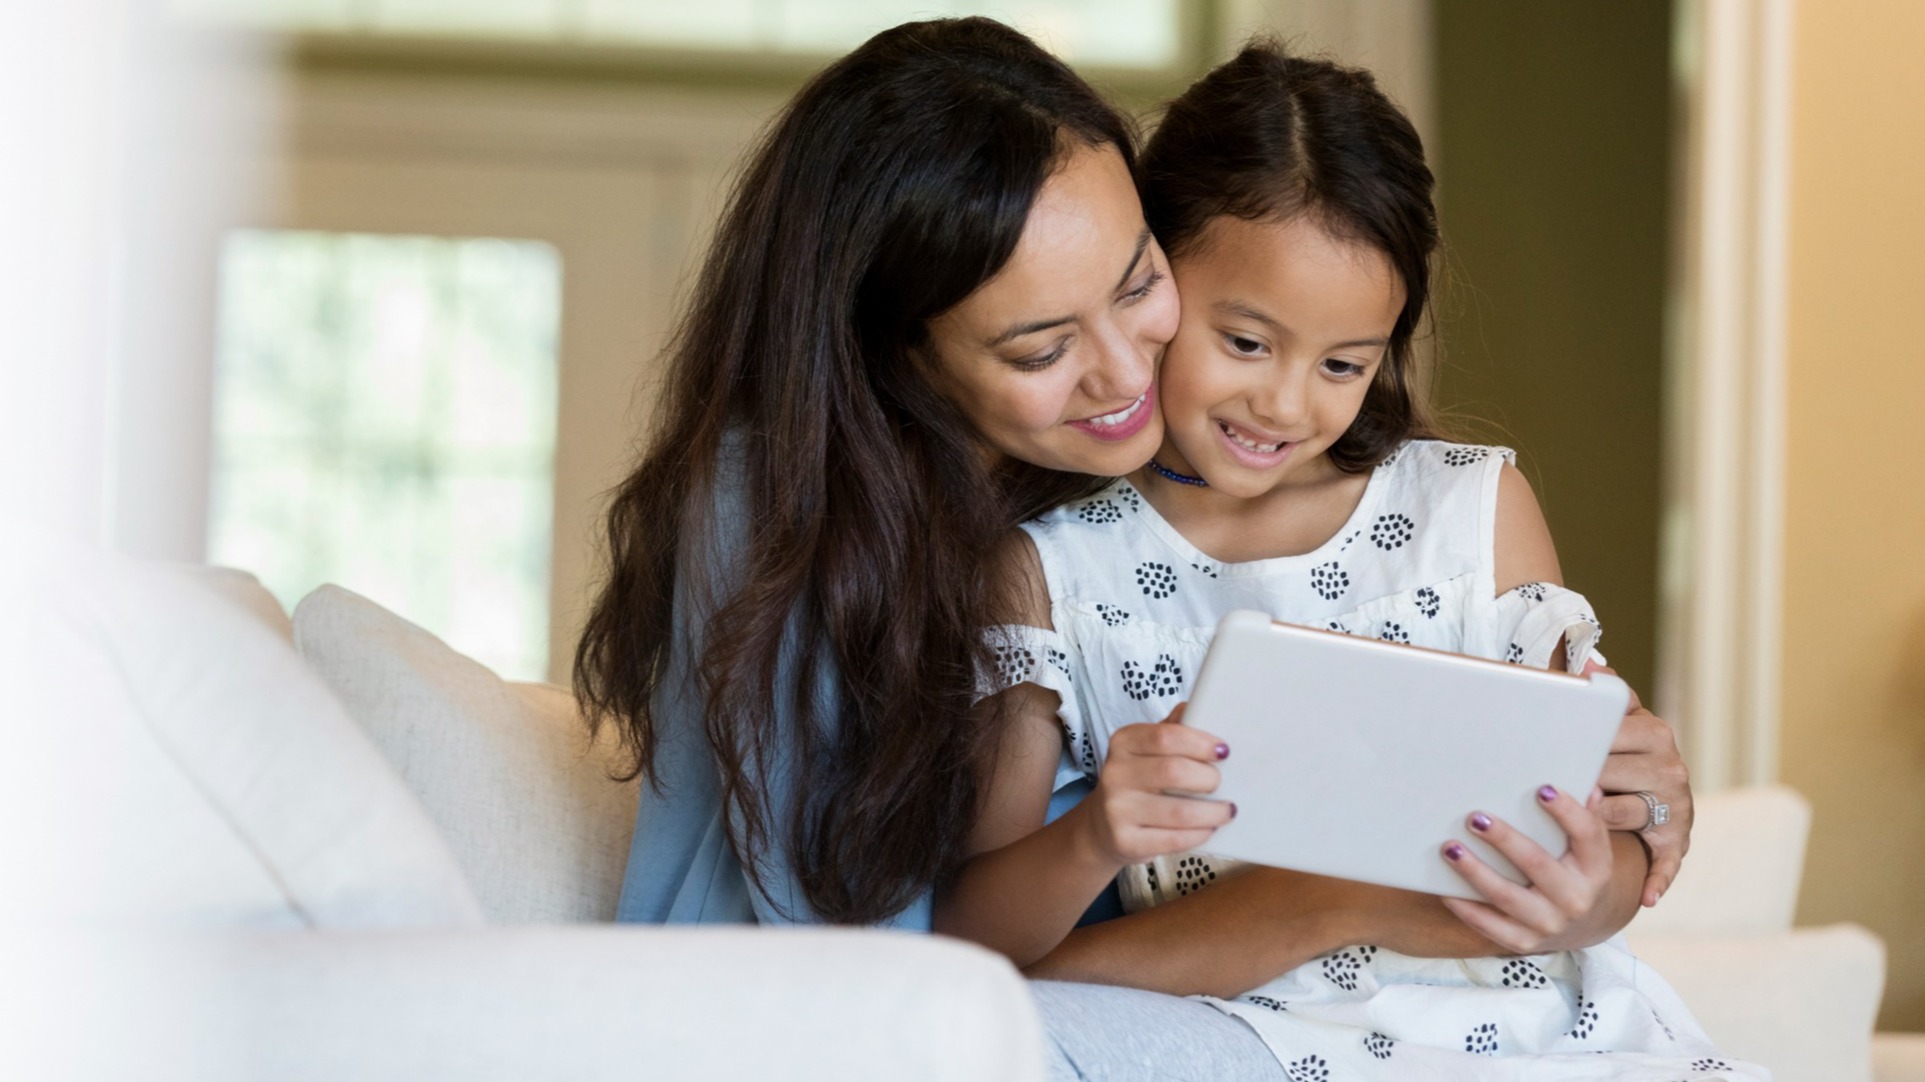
[[506, 770], [187, 770], [1741, 876]]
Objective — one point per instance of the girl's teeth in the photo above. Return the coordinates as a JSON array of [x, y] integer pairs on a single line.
[[1121, 415], [1260, 448]]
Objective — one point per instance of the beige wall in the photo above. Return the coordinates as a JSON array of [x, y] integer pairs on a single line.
[[1854, 639]]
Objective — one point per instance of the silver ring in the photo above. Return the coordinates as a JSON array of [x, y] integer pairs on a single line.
[[1660, 811]]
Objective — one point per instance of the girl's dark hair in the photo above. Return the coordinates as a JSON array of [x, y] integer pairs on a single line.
[[893, 185], [1272, 137]]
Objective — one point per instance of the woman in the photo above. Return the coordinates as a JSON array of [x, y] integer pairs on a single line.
[[931, 310]]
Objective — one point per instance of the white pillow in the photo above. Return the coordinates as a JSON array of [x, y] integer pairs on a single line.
[[506, 770], [185, 769]]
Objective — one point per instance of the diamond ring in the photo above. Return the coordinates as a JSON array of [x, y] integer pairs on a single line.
[[1660, 811]]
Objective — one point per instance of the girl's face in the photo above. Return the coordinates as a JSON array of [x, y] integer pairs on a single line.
[[1284, 326], [1055, 358]]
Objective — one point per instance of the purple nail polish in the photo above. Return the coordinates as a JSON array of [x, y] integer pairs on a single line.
[[1480, 822], [1233, 811], [1546, 794], [1454, 851], [1223, 751]]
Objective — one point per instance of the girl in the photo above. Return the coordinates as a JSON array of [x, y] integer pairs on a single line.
[[1297, 475]]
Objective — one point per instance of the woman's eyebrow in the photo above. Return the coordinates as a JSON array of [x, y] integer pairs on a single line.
[[1251, 312], [1020, 329]]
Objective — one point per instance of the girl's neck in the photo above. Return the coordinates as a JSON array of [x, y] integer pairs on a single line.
[[1297, 515]]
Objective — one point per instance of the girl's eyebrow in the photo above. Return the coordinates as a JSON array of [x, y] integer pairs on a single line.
[[1020, 329], [1249, 311]]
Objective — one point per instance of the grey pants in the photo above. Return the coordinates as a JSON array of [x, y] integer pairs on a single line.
[[1098, 1033]]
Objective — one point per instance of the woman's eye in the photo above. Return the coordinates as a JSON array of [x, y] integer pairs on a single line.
[[1040, 362], [1343, 368], [1149, 286]]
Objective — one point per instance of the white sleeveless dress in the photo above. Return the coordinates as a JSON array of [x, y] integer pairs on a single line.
[[1134, 606]]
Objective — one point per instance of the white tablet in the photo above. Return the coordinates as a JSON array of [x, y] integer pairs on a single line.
[[1358, 759]]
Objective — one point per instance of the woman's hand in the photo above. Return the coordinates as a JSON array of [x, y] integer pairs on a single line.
[[1644, 757], [1561, 906], [1131, 818]]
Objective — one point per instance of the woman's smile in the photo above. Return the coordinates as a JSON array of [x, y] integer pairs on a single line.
[[1125, 422]]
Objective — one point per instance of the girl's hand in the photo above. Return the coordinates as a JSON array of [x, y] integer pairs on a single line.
[[1131, 818], [1563, 891], [1645, 757]]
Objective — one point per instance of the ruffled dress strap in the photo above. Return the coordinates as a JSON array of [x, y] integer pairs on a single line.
[[1037, 655]]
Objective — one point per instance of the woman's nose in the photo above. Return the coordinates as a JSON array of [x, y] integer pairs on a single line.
[[1121, 367]]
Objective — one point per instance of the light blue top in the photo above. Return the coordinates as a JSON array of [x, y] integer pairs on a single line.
[[681, 869]]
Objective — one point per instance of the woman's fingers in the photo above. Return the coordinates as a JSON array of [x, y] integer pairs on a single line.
[[1645, 758], [1561, 889]]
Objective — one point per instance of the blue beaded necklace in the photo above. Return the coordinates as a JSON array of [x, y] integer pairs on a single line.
[[1169, 474]]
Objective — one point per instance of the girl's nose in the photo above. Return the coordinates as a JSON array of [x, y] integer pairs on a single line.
[[1281, 398]]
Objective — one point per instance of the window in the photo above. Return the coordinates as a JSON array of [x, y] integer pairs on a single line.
[[1103, 33], [385, 419]]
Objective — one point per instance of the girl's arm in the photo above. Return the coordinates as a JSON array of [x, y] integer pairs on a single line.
[[1028, 883]]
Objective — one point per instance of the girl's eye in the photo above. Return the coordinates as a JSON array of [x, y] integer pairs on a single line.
[[1149, 286], [1345, 369], [1241, 346]]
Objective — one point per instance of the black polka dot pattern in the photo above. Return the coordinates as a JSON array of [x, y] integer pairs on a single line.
[[1100, 512], [1112, 615], [1379, 1046], [1329, 580], [1394, 632], [1392, 531], [1586, 1020], [1157, 580], [1391, 458], [1337, 626], [1709, 1064], [1308, 1069], [1464, 456], [1659, 1019], [1086, 752], [1129, 498], [1428, 602], [1158, 679], [1014, 664], [1348, 541], [1193, 874], [1531, 591], [1514, 654], [1520, 973], [1266, 1001], [1207, 569], [1482, 1041], [1341, 969], [1149, 873], [1060, 661]]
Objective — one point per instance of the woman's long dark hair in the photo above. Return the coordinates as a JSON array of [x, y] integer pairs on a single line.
[[1270, 137], [891, 187]]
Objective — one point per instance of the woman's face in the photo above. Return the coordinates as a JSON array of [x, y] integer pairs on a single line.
[[1055, 358]]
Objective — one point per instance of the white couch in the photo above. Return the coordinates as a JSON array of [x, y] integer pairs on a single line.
[[227, 878], [337, 849]]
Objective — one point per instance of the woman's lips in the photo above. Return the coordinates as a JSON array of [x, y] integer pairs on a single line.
[[1237, 443], [1123, 423]]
